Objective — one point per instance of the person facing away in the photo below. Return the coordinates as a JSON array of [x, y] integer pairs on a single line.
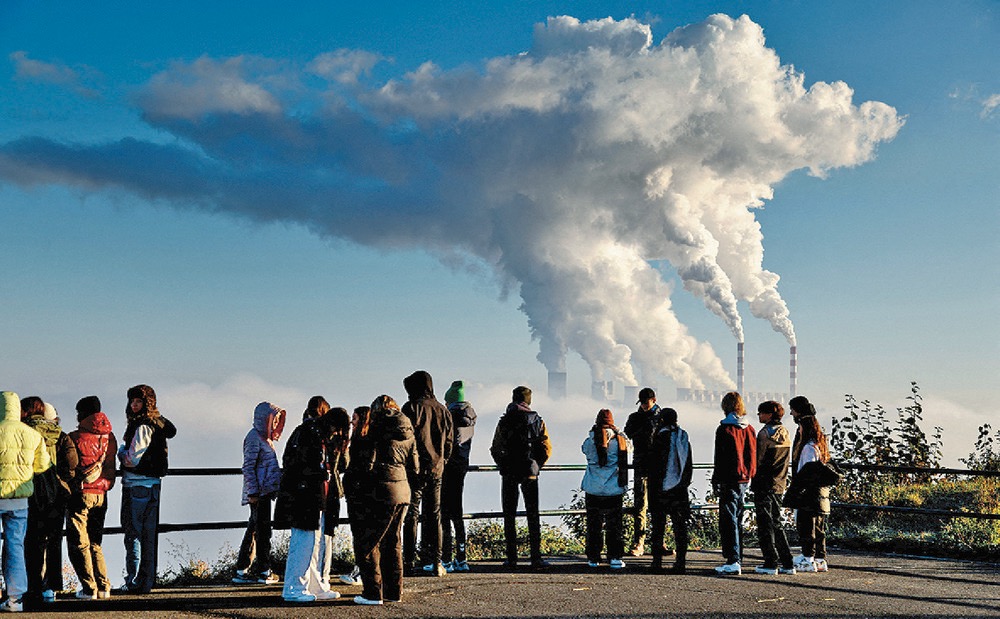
[[520, 448], [432, 426], [46, 507], [810, 491], [604, 484], [314, 457], [261, 480], [774, 453], [639, 428], [144, 462], [670, 467], [92, 451], [735, 465], [463, 418], [22, 455], [384, 461]]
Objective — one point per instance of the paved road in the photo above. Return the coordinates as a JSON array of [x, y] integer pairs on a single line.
[[857, 585]]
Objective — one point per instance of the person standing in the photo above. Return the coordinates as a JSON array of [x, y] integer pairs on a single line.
[[520, 448], [22, 456], [315, 456], [46, 507], [774, 453], [735, 465], [463, 418], [143, 458], [670, 467], [639, 428], [603, 485], [384, 458], [92, 448], [810, 494], [261, 480], [432, 426]]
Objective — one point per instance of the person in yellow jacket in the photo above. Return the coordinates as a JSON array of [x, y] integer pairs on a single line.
[[22, 455]]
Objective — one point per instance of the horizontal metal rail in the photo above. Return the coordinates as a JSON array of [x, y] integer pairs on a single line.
[[941, 513]]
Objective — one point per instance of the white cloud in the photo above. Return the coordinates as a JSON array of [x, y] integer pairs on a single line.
[[29, 69], [989, 105]]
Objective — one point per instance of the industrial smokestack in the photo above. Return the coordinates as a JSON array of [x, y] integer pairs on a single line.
[[739, 367], [631, 395], [599, 390], [557, 385], [793, 370]]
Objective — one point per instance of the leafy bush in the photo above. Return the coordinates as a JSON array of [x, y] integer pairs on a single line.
[[485, 540]]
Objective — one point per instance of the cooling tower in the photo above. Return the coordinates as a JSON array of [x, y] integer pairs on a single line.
[[631, 395], [557, 385], [793, 371]]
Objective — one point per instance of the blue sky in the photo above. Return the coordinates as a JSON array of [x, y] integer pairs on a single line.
[[887, 264]]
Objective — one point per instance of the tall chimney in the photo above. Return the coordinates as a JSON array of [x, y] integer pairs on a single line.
[[557, 385], [793, 370], [739, 367], [631, 395]]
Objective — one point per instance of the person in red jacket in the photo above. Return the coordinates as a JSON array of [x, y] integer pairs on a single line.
[[735, 466], [94, 474]]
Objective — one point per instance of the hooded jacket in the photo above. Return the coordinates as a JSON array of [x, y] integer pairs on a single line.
[[144, 444], [735, 451], [670, 461], [521, 444], [310, 485], [92, 441], [774, 453], [51, 491], [463, 418], [383, 462], [22, 452], [639, 428], [432, 424], [601, 480], [261, 473]]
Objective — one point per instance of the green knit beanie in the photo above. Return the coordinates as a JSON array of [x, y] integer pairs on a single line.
[[455, 393]]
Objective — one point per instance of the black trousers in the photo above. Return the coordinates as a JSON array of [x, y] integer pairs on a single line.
[[677, 506], [425, 510], [452, 491], [812, 533], [604, 526], [375, 528], [509, 488], [255, 550], [773, 543]]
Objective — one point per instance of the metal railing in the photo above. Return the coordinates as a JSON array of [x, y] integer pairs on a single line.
[[480, 468]]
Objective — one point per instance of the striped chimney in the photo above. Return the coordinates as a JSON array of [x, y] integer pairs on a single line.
[[793, 370], [739, 367]]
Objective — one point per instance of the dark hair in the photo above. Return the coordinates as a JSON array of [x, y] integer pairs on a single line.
[[772, 408], [521, 394], [87, 406], [668, 417], [32, 405], [812, 431], [801, 405], [148, 397], [338, 423], [317, 407]]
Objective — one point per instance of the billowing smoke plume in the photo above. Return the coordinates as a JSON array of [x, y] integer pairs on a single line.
[[564, 169]]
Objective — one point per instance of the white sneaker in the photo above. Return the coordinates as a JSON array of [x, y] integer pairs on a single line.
[[268, 578], [48, 595], [729, 569], [770, 571], [805, 564], [300, 598], [359, 599], [821, 565], [11, 606], [616, 564], [327, 595], [786, 570]]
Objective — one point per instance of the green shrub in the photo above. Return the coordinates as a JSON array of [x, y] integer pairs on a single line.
[[486, 540]]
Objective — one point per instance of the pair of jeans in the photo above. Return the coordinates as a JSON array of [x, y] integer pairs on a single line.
[[308, 561], [140, 516], [83, 542], [811, 527], [773, 543], [731, 508], [255, 549], [377, 548], [425, 507], [677, 505], [43, 547], [452, 490], [528, 487], [15, 525], [604, 526]]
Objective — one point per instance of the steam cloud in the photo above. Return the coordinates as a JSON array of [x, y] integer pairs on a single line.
[[564, 170]]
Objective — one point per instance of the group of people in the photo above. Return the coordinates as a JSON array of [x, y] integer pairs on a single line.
[[52, 481], [401, 472], [743, 460]]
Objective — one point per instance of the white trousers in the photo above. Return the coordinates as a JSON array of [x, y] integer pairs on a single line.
[[307, 569]]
